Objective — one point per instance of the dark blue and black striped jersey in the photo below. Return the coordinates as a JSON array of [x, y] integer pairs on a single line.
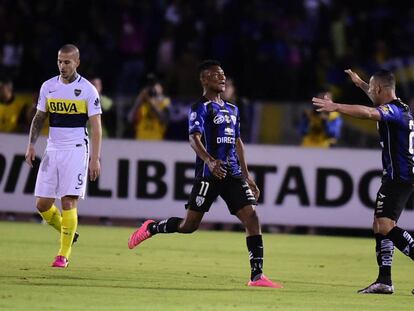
[[219, 126], [396, 130]]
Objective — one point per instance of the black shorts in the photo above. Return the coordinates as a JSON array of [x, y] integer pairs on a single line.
[[392, 198], [234, 191]]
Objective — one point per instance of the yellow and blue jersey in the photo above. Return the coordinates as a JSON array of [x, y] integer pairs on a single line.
[[69, 107]]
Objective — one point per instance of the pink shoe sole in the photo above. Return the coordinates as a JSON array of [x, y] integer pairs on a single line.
[[264, 282], [140, 235]]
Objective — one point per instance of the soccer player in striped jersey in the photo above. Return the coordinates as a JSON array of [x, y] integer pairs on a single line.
[[396, 130], [221, 170], [69, 100]]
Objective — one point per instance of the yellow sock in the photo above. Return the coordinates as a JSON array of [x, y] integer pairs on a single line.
[[69, 225], [52, 217]]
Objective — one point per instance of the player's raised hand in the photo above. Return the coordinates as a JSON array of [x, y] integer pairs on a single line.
[[355, 77], [216, 167], [30, 154], [253, 187], [324, 104]]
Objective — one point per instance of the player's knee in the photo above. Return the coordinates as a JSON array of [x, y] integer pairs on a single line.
[[67, 205], [69, 202], [384, 225], [384, 229], [43, 205]]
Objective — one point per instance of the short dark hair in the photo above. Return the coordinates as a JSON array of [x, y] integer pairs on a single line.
[[386, 78], [69, 48], [207, 64], [322, 90]]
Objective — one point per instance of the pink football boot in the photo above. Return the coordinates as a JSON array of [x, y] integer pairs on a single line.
[[263, 281], [60, 262], [140, 235]]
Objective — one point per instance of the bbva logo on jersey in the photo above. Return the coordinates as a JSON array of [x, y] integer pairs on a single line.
[[62, 106], [66, 106]]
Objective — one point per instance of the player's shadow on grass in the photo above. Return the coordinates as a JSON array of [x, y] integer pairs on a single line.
[[57, 281], [219, 289]]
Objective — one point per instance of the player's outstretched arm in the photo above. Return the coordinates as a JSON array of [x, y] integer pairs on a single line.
[[243, 165], [215, 166], [35, 129], [96, 137], [357, 111], [358, 81]]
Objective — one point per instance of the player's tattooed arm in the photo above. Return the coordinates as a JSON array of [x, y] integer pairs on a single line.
[[36, 126]]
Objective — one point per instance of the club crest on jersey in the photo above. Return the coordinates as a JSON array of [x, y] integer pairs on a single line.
[[385, 109], [199, 200], [77, 92], [234, 119], [218, 119]]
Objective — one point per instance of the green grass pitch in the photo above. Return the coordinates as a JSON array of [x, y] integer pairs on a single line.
[[201, 271]]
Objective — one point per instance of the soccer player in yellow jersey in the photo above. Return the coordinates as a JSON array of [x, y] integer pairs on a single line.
[[69, 101]]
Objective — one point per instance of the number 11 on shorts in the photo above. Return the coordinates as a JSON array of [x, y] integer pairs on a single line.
[[204, 188]]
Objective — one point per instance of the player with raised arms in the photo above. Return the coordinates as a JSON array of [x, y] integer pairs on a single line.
[[396, 130]]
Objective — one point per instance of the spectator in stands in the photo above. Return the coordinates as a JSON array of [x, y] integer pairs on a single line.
[[245, 109], [108, 113], [150, 113], [12, 108], [320, 129], [282, 37]]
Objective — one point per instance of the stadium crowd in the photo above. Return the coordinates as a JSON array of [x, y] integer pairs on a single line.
[[273, 50]]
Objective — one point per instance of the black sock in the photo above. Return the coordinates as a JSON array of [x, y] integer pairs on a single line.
[[169, 225], [385, 250], [255, 248], [402, 240]]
